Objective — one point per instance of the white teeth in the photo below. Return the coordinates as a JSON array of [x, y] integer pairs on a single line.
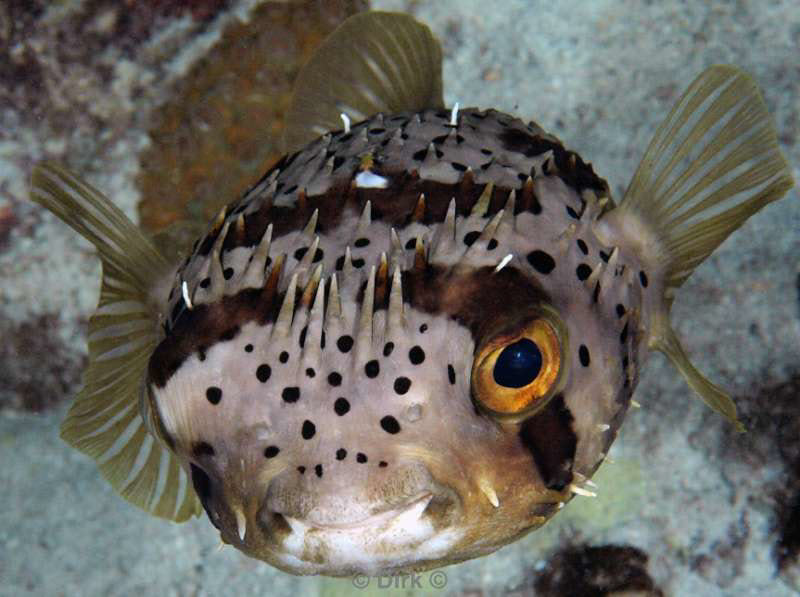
[[489, 492]]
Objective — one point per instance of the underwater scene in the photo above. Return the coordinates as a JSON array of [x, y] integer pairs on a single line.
[[399, 297]]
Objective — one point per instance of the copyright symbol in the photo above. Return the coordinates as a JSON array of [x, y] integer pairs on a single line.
[[360, 581], [438, 579]]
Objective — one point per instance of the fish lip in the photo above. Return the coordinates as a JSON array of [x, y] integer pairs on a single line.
[[376, 520]]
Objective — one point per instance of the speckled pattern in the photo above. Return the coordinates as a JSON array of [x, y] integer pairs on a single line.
[[598, 76]]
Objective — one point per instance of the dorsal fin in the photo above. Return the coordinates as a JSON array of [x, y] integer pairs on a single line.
[[374, 62]]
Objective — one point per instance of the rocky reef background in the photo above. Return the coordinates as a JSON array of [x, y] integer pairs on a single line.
[[160, 102]]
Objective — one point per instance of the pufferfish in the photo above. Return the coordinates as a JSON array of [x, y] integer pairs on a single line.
[[417, 335]]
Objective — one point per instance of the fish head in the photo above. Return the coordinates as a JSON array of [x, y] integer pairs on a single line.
[[421, 402]]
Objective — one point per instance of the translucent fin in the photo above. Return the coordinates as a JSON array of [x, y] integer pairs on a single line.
[[105, 421], [374, 62], [713, 163], [667, 342]]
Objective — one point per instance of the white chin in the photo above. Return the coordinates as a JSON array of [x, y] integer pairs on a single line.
[[380, 542]]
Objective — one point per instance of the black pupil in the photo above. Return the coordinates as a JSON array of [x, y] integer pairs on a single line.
[[518, 364]]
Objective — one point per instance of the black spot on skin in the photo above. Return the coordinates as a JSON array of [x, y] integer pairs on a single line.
[[310, 372], [596, 292], [419, 156], [271, 451], [459, 167], [214, 395], [583, 354], [402, 385], [583, 271], [291, 394], [201, 354], [542, 262], [283, 357], [451, 374], [361, 458], [308, 430], [335, 379], [572, 213], [582, 246], [341, 454], [388, 348], [620, 310], [623, 337], [361, 242], [263, 372], [390, 425], [383, 464], [227, 273], [248, 348], [344, 343], [471, 237], [300, 253], [604, 256], [416, 355], [411, 243], [302, 338], [205, 283], [643, 279], [549, 437], [340, 263], [423, 328], [492, 245], [358, 263], [318, 470], [203, 449], [372, 369], [341, 406], [301, 470]]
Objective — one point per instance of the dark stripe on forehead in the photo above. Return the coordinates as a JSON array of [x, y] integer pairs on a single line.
[[400, 164], [482, 300], [198, 329]]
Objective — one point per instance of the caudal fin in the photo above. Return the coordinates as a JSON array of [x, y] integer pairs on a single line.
[[105, 420]]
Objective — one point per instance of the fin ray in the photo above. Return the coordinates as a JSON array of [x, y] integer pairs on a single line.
[[383, 62], [714, 162], [105, 422]]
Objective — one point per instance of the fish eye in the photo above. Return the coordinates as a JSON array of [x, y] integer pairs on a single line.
[[516, 373], [518, 364]]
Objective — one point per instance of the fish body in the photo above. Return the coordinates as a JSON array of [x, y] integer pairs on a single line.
[[417, 335]]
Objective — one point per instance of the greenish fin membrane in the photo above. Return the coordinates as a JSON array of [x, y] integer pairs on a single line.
[[375, 62], [713, 162], [105, 421]]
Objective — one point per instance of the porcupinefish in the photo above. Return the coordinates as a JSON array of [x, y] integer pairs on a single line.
[[417, 335]]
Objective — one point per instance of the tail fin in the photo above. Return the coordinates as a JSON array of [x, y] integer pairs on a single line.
[[105, 421], [713, 163]]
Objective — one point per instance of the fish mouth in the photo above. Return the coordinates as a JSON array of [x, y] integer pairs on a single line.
[[411, 511]]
